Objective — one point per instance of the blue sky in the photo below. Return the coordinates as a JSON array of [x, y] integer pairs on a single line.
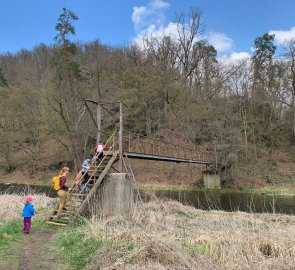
[[231, 25]]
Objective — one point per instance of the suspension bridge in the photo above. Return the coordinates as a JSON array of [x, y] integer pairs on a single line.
[[122, 146]]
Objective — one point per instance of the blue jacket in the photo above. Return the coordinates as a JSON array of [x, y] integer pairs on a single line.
[[28, 210], [85, 165]]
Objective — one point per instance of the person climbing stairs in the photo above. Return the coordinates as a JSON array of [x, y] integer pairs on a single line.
[[78, 196]]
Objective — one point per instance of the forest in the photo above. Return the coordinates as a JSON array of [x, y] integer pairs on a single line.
[[174, 88]]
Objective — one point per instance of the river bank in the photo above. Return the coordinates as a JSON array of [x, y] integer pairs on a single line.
[[225, 199], [159, 235], [267, 190]]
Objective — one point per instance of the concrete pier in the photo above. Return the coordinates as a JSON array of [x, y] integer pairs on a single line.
[[116, 195], [211, 180]]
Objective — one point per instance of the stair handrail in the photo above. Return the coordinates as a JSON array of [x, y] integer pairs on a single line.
[[188, 150], [93, 161], [98, 182]]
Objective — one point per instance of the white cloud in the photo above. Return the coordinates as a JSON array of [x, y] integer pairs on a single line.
[[221, 42], [150, 21], [282, 36], [238, 56], [155, 32], [138, 13], [235, 58], [151, 14]]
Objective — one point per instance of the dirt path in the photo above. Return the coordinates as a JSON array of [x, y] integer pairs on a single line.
[[35, 253]]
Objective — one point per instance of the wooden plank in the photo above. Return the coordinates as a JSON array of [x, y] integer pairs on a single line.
[[61, 218], [56, 223]]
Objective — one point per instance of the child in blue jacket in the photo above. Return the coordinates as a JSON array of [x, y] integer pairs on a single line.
[[28, 212]]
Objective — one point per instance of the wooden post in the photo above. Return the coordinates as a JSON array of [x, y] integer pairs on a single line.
[[121, 139], [129, 141], [98, 122], [215, 157]]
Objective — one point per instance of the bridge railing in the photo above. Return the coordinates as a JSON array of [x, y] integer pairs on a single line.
[[142, 144]]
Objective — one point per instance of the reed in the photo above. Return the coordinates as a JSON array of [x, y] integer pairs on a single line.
[[169, 235], [12, 206]]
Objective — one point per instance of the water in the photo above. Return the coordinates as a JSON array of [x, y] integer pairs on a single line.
[[229, 201], [206, 200], [22, 189]]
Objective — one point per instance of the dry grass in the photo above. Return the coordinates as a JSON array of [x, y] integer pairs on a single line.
[[12, 206], [169, 235]]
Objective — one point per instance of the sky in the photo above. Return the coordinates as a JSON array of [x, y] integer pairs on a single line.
[[230, 25]]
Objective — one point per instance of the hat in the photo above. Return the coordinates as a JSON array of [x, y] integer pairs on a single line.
[[29, 199], [90, 157]]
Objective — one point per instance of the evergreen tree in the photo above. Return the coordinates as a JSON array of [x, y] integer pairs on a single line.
[[67, 84]]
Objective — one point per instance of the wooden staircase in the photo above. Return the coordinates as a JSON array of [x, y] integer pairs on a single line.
[[79, 197]]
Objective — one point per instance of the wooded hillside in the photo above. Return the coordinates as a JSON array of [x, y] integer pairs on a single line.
[[174, 88]]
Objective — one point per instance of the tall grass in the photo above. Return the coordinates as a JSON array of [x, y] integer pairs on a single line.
[[169, 235], [12, 206]]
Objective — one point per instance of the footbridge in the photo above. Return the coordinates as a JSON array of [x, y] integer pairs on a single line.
[[137, 146], [143, 147], [118, 149]]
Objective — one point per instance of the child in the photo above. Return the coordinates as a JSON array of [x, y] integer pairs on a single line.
[[84, 171], [98, 150], [28, 212]]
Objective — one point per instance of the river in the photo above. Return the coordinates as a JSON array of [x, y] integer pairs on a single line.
[[202, 199]]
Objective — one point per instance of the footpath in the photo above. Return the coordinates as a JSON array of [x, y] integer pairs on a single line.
[[32, 252]]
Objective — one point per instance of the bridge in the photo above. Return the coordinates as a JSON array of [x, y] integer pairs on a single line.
[[137, 146], [121, 146], [142, 147]]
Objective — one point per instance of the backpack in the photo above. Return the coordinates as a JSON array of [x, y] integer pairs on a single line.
[[56, 183]]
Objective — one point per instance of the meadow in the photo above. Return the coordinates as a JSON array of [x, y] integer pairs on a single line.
[[165, 235]]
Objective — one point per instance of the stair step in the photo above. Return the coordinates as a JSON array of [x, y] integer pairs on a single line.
[[79, 194], [56, 223], [57, 220], [69, 210], [76, 202], [90, 171], [62, 217]]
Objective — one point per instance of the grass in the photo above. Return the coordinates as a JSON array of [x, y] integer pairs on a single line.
[[169, 235], [11, 239], [270, 191], [11, 225], [10, 232], [76, 247], [13, 231], [10, 243]]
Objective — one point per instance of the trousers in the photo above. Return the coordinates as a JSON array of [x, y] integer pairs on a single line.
[[27, 224], [64, 197]]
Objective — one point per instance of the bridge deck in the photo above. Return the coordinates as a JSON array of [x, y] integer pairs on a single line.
[[165, 158]]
